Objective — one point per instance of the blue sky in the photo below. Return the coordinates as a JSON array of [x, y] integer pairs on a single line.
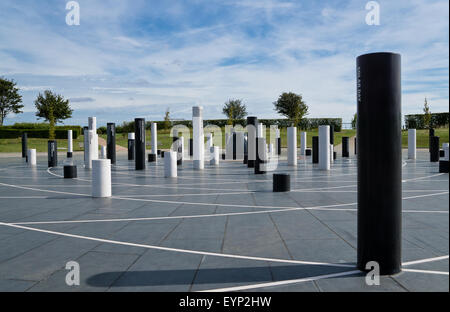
[[136, 58]]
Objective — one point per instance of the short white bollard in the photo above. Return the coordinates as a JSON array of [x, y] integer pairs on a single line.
[[103, 152], [324, 147], [292, 146], [303, 143], [31, 153], [170, 164], [445, 147], [101, 178], [215, 156], [411, 143]]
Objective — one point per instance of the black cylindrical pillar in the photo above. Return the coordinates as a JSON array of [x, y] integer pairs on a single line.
[[111, 142], [332, 134], [191, 147], [139, 133], [252, 124], [281, 182], [24, 145], [279, 146], [430, 135], [356, 145], [345, 147], [234, 145], [70, 172], [52, 154], [434, 149], [315, 149], [131, 147], [379, 161]]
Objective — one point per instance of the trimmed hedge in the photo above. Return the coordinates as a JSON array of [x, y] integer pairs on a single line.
[[305, 124], [417, 121], [60, 134]]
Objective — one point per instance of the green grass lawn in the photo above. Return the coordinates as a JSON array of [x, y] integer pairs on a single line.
[[164, 140]]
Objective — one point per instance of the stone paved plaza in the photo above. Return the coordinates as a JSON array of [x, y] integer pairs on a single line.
[[218, 229]]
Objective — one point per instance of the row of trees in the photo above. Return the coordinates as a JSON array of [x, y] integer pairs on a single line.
[[289, 105], [51, 107]]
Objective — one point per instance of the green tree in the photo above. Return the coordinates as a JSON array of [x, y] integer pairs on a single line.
[[427, 114], [167, 122], [235, 110], [291, 106], [10, 99], [53, 108], [354, 121], [48, 104]]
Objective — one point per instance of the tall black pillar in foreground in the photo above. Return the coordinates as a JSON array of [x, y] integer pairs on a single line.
[[24, 145], [434, 148], [111, 142], [345, 147], [379, 161], [315, 149], [139, 131], [356, 146], [52, 154]]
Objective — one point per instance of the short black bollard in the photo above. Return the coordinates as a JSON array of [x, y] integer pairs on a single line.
[[334, 155], [162, 154], [441, 153], [308, 152], [443, 166], [281, 182], [70, 172], [151, 158]]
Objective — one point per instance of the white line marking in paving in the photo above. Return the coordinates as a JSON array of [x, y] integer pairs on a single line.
[[425, 260], [195, 252], [425, 271], [282, 283]]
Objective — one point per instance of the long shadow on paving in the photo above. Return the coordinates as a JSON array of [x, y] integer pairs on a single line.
[[210, 276]]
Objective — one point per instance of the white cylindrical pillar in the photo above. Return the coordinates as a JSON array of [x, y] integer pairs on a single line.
[[215, 156], [155, 138], [445, 147], [271, 150], [197, 123], [170, 164], [101, 178], [92, 148], [260, 131], [31, 153], [324, 147], [103, 152], [131, 136], [303, 143], [93, 123], [209, 141], [292, 146], [69, 141], [412, 144]]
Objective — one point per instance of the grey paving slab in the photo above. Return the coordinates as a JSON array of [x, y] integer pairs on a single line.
[[181, 215]]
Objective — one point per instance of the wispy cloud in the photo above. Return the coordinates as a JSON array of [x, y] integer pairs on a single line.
[[140, 57]]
